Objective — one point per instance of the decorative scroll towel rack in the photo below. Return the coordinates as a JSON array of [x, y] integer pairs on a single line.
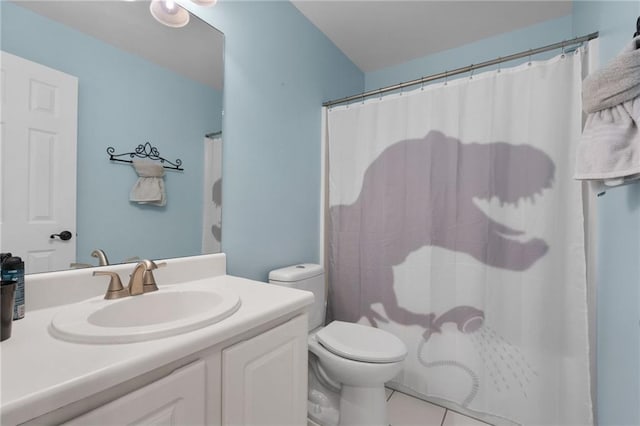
[[145, 151]]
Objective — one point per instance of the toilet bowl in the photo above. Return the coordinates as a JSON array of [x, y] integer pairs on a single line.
[[361, 366], [348, 363]]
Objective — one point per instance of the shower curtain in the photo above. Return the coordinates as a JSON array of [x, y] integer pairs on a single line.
[[455, 224], [212, 197]]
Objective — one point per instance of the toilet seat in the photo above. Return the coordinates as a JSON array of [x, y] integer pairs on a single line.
[[361, 343]]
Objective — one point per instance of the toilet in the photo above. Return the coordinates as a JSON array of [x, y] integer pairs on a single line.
[[348, 363]]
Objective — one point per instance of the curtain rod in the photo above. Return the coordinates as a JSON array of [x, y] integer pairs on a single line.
[[213, 134], [462, 70]]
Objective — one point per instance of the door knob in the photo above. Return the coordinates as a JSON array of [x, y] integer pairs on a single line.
[[64, 235]]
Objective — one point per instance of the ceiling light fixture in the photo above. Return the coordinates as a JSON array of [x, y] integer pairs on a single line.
[[169, 13]]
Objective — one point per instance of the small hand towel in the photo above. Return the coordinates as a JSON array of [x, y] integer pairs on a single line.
[[149, 189], [609, 148]]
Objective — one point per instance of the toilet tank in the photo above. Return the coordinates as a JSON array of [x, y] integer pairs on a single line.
[[309, 277]]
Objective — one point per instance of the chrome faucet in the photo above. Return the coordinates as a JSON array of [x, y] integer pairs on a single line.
[[102, 257], [142, 279]]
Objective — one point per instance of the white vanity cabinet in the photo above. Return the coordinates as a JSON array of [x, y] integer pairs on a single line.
[[258, 379], [264, 379], [178, 399], [249, 368]]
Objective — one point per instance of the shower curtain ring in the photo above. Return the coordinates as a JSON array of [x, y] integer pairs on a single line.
[[499, 64], [362, 98], [563, 47], [380, 94], [472, 69], [446, 77], [529, 57], [422, 84]]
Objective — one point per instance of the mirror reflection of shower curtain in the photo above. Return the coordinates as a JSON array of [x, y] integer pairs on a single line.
[[454, 223], [212, 199]]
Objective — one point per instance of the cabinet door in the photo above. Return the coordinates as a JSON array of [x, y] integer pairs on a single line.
[[178, 399], [264, 379]]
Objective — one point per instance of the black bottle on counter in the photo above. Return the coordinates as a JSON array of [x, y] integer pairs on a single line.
[[3, 256], [13, 270]]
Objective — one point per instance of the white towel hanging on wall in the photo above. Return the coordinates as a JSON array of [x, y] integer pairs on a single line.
[[149, 188], [609, 149]]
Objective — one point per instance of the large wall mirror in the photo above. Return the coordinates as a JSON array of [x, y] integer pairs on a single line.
[[138, 82]]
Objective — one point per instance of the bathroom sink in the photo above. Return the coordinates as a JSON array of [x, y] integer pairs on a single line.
[[166, 312]]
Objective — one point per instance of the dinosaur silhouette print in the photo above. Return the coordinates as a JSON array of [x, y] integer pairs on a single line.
[[420, 192]]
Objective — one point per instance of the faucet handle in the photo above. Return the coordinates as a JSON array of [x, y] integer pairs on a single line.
[[151, 265], [76, 265], [115, 289], [148, 280]]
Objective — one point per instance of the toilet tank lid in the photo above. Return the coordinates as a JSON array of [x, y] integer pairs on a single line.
[[296, 272]]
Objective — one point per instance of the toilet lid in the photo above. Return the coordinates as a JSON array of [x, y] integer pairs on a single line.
[[361, 343]]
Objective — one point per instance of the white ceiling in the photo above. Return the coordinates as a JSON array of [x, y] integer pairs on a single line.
[[195, 51], [377, 34], [373, 33]]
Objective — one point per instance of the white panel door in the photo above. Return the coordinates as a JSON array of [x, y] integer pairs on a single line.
[[264, 379], [176, 400], [38, 137]]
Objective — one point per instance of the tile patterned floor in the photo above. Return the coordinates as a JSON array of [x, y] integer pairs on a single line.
[[405, 410]]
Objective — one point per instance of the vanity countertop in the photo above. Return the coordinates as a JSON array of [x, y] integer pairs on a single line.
[[41, 373]]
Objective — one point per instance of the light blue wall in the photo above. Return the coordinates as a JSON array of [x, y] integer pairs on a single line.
[[279, 69], [618, 312], [124, 101]]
